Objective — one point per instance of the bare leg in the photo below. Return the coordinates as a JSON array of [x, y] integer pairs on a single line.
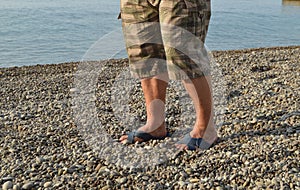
[[154, 90], [199, 91]]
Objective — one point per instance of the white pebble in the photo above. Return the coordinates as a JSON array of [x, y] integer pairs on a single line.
[[7, 185]]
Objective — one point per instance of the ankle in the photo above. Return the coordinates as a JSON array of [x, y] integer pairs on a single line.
[[203, 132], [150, 127], [195, 133]]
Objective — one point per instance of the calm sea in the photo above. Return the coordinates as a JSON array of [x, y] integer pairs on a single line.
[[54, 31]]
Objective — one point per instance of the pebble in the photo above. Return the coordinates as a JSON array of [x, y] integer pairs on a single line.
[[7, 185], [190, 186], [28, 185], [16, 187], [122, 180], [48, 184], [98, 167], [228, 154], [39, 160], [7, 178], [181, 183], [105, 187], [74, 90], [194, 180]]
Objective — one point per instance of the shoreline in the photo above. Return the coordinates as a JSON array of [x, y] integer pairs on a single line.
[[41, 146], [213, 51]]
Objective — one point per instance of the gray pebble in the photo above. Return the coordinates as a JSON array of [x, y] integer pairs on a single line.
[[7, 185], [28, 185], [16, 187]]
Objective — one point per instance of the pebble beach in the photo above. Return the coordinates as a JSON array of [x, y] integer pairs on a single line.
[[41, 146]]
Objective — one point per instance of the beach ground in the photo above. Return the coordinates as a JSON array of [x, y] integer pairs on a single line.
[[41, 146]]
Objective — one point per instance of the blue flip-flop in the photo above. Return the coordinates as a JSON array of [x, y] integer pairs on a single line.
[[194, 143], [142, 135]]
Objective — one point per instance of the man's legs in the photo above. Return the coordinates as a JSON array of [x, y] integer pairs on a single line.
[[154, 90], [200, 93]]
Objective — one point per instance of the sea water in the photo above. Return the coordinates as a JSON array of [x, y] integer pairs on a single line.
[[44, 32]]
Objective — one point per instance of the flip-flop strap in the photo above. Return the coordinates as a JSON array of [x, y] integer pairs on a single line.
[[130, 137], [194, 143], [141, 135], [191, 143], [144, 136]]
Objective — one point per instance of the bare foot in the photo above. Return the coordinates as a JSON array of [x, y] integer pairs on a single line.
[[158, 132], [208, 138]]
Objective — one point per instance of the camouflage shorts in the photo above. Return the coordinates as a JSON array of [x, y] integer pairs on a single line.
[[166, 36]]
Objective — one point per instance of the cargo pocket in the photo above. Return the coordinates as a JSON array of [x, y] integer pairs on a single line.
[[136, 11]]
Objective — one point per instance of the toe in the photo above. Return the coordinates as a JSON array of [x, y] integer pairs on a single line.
[[181, 146], [122, 138]]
